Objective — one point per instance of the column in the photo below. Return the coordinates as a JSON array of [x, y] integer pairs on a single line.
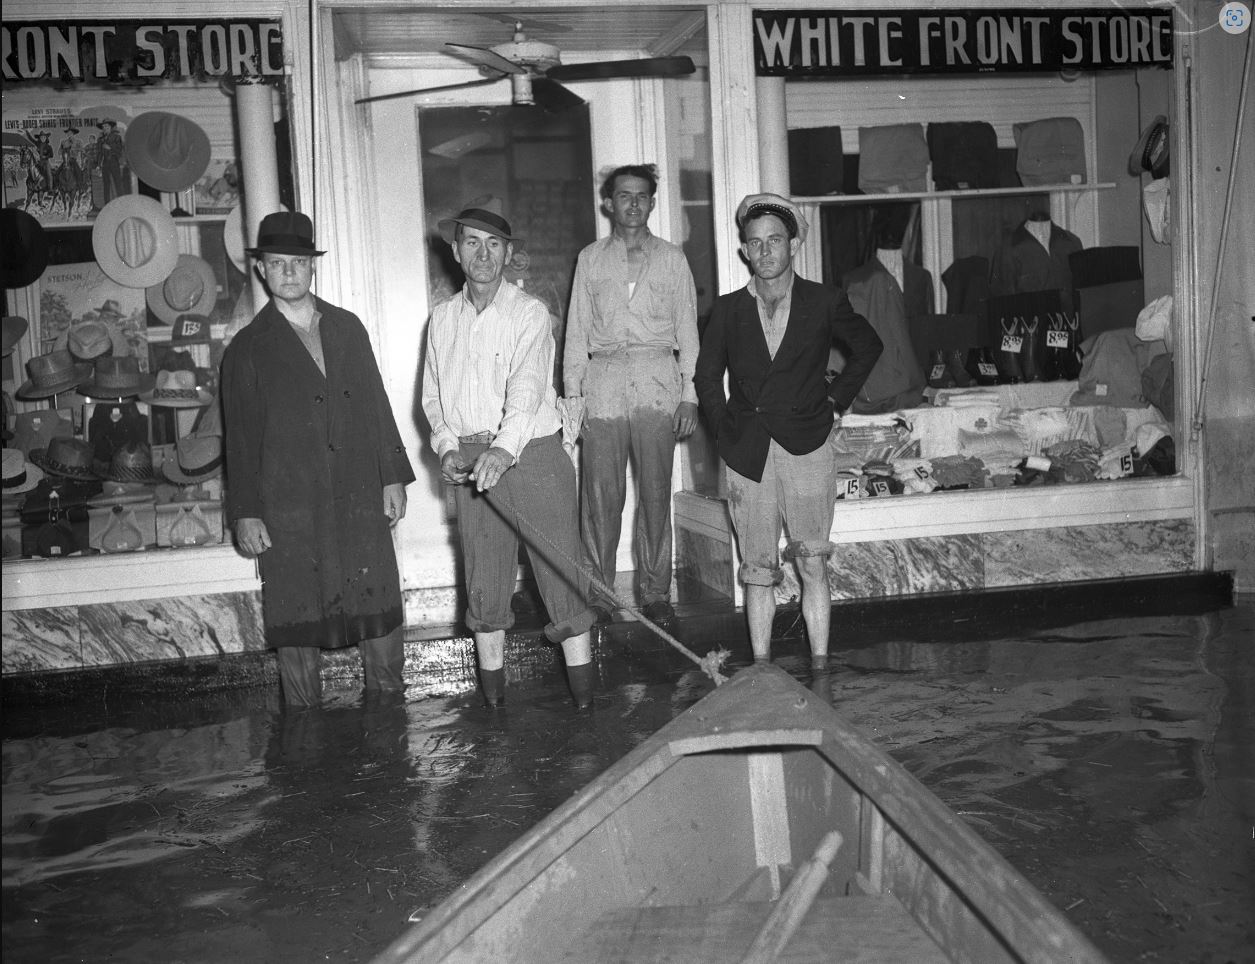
[[254, 116]]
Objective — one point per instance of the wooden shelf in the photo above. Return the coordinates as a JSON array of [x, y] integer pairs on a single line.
[[935, 195]]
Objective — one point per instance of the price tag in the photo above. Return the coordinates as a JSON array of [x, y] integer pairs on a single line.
[[849, 489], [879, 487], [1100, 389], [1126, 464], [936, 372], [1056, 339], [988, 369], [1012, 343], [923, 473]]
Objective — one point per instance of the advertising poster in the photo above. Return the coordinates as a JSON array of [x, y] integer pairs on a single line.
[[71, 294], [61, 166]]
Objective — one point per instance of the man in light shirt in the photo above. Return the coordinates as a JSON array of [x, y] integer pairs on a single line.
[[489, 397], [630, 350]]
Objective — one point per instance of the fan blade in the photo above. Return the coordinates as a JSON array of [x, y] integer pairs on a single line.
[[487, 58], [428, 90], [552, 96], [648, 67]]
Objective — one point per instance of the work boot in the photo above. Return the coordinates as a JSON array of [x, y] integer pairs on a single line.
[[583, 682], [937, 373], [492, 682]]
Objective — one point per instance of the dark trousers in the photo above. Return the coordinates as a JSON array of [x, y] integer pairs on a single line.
[[300, 668]]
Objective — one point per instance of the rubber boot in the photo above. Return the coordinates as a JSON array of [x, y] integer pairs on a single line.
[[492, 682], [583, 682]]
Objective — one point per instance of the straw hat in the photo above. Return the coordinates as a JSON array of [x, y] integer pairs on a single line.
[[135, 241], [167, 151], [131, 462], [117, 378], [69, 458], [196, 459], [190, 288], [176, 389], [52, 374], [19, 475]]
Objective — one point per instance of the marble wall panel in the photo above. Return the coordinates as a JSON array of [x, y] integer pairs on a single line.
[[176, 628], [1076, 553], [35, 640], [896, 567]]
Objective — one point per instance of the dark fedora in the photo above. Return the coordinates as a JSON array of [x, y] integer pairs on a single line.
[[23, 248], [70, 458], [52, 374], [484, 214], [285, 232], [117, 378], [1151, 153]]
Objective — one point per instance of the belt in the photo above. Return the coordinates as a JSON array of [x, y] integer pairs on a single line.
[[479, 438]]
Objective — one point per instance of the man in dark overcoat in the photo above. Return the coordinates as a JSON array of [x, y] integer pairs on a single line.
[[316, 472]]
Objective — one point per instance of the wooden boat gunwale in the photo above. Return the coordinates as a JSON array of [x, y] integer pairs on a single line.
[[763, 709]]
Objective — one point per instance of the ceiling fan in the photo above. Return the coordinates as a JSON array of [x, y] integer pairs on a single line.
[[535, 69]]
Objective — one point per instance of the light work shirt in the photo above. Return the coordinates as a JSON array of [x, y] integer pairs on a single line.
[[774, 323], [490, 371], [607, 315]]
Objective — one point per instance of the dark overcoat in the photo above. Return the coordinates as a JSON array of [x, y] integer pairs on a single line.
[[785, 398], [309, 455]]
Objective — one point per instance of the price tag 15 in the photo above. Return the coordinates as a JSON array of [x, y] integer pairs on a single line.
[[849, 489], [1126, 464], [1056, 339], [922, 473], [1012, 343], [879, 487]]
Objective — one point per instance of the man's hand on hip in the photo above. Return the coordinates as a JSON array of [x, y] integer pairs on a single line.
[[684, 422], [252, 536]]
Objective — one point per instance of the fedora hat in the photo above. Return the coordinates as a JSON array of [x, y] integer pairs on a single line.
[[167, 151], [176, 389], [23, 248], [131, 462], [285, 232], [123, 493], [19, 475], [117, 378], [14, 328], [89, 340], [69, 458], [484, 214], [1151, 153], [190, 288], [52, 374], [196, 459], [135, 241]]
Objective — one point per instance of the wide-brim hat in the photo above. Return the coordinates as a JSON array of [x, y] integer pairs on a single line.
[[68, 458], [197, 458], [1151, 154], [19, 475], [131, 462], [124, 493], [117, 378], [167, 151], [135, 241], [190, 288], [176, 389], [483, 214], [14, 328], [89, 340], [23, 248], [52, 374], [285, 232], [754, 205]]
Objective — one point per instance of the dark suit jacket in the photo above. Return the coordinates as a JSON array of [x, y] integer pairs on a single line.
[[785, 398]]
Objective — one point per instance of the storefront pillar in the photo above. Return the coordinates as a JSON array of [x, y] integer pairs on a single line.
[[773, 136], [254, 115]]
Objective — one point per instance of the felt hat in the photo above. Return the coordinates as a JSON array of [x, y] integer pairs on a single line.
[[190, 287], [52, 374], [131, 462], [176, 389], [89, 340], [196, 459], [117, 378], [23, 248], [69, 458], [167, 151], [14, 328], [191, 329], [285, 232], [1152, 151], [19, 475], [484, 214], [135, 241], [756, 204]]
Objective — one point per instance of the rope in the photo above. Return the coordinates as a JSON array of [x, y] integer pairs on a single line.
[[711, 663]]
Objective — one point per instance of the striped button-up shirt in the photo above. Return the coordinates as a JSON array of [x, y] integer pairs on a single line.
[[490, 371]]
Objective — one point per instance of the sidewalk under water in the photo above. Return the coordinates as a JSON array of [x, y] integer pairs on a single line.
[[1110, 760]]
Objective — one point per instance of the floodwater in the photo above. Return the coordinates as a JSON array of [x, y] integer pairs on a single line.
[[1110, 761]]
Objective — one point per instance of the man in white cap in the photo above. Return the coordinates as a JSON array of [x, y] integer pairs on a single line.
[[316, 472], [772, 339], [488, 394]]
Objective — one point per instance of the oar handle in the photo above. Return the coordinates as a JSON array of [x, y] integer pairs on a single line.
[[794, 903]]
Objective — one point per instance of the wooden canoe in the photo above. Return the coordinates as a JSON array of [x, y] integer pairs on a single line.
[[681, 852]]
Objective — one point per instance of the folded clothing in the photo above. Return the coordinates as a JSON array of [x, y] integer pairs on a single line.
[[1050, 151], [892, 158]]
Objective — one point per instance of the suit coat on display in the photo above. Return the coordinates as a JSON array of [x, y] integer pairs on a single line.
[[785, 398], [897, 380], [309, 455], [1022, 264]]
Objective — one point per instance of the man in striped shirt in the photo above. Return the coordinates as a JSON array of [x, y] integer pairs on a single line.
[[488, 394]]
